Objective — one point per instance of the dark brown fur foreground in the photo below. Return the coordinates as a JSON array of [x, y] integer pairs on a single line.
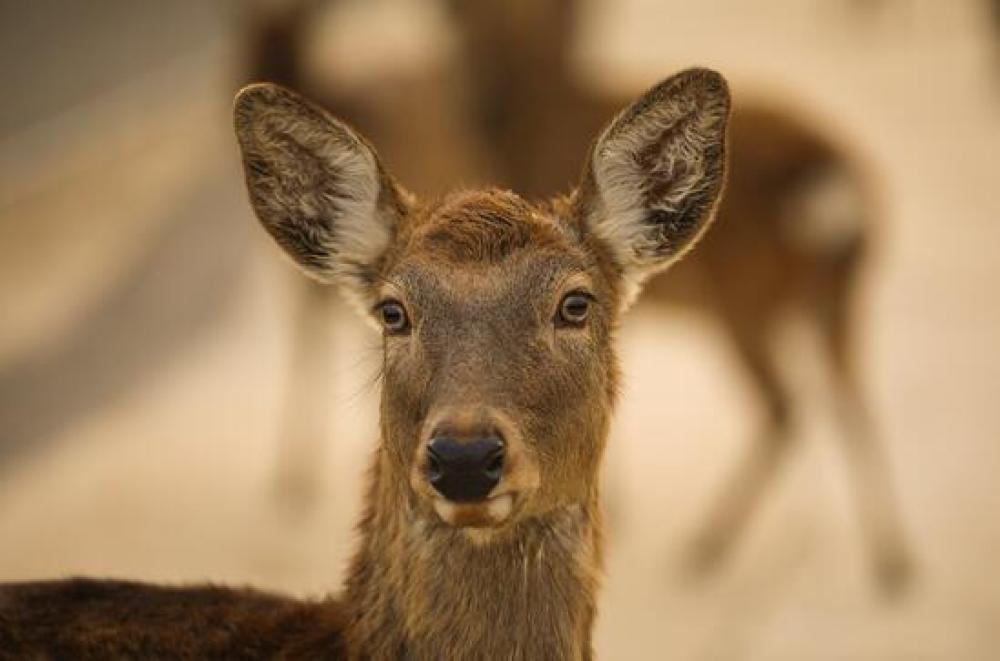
[[84, 618], [498, 320]]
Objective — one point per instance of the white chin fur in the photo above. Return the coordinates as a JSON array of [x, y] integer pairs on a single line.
[[490, 513]]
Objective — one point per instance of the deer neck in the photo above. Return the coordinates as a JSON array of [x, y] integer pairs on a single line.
[[419, 589]]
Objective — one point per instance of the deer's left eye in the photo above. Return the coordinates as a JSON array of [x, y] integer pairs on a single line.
[[574, 308], [393, 317]]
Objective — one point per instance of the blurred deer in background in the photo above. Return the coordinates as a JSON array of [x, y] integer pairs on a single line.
[[793, 228]]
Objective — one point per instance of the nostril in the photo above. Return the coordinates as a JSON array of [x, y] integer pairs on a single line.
[[494, 466], [434, 471]]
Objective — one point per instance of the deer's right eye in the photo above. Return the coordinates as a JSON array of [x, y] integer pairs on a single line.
[[393, 317], [573, 309]]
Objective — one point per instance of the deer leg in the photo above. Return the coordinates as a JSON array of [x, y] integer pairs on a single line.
[[735, 504], [880, 520], [303, 424], [873, 491]]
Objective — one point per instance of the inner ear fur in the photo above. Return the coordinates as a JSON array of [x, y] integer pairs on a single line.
[[655, 173], [316, 185]]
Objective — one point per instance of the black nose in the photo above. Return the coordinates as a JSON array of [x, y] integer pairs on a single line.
[[465, 471]]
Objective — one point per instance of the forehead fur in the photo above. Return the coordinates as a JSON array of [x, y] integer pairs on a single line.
[[482, 226]]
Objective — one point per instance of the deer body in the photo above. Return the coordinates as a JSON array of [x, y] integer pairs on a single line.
[[481, 537], [106, 619]]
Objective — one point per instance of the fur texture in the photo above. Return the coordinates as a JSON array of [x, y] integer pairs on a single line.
[[91, 619], [317, 186], [657, 172]]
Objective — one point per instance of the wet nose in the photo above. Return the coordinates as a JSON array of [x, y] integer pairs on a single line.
[[465, 470]]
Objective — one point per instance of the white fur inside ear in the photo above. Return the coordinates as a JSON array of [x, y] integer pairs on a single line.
[[650, 164], [361, 233], [620, 219], [322, 183], [317, 187], [623, 182], [632, 282]]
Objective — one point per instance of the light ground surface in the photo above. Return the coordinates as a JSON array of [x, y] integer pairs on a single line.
[[172, 479]]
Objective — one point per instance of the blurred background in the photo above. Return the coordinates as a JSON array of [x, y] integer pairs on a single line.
[[176, 405]]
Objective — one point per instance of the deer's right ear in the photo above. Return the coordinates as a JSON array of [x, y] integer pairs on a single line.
[[655, 174], [316, 186]]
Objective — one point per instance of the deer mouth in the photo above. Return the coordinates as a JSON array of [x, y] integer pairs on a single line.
[[489, 513]]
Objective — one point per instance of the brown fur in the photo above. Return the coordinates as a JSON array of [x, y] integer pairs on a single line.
[[473, 227], [481, 275], [92, 619]]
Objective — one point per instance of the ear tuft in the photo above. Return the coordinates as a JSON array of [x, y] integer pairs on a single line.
[[656, 172], [316, 186]]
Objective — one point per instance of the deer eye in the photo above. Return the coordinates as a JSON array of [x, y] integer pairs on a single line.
[[574, 308], [393, 317]]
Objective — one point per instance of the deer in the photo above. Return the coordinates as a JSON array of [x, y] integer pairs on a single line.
[[795, 229], [482, 530]]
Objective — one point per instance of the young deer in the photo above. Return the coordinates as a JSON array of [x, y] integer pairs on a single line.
[[794, 228], [482, 532]]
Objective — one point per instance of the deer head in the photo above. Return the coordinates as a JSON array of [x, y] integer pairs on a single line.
[[497, 316]]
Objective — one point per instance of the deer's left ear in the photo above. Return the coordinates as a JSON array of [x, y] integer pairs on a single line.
[[655, 174], [317, 187]]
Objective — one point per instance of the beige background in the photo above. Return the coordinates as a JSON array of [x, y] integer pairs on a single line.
[[172, 477]]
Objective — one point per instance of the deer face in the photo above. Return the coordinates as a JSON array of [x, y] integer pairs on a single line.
[[499, 372], [497, 315]]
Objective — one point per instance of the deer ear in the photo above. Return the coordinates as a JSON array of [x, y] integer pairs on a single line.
[[655, 173], [316, 186]]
